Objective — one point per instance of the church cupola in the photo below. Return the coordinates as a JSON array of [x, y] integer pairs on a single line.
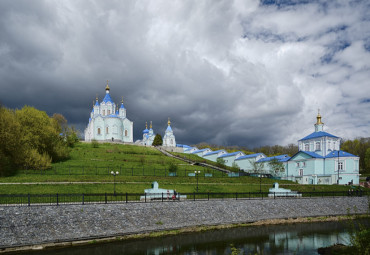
[[319, 125], [122, 110], [107, 88]]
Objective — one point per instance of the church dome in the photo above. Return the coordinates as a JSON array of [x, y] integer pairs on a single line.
[[145, 131]]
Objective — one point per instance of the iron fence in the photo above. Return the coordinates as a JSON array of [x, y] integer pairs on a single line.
[[109, 198]]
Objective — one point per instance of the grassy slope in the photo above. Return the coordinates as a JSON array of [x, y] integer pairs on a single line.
[[88, 164]]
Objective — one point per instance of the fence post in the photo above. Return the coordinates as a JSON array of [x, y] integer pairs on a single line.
[[57, 199], [126, 198], [194, 196], [162, 196], [208, 195], [29, 200], [145, 196], [83, 198], [106, 197], [262, 195], [274, 195], [236, 196]]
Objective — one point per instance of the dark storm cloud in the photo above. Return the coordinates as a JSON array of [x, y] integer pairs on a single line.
[[207, 65]]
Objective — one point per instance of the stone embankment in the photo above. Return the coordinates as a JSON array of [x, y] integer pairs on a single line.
[[22, 225]]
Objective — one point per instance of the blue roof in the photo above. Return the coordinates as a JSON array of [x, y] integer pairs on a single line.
[[280, 158], [317, 134], [230, 154], [96, 103], [213, 152], [122, 107], [107, 98], [334, 154], [250, 156], [169, 129], [112, 116], [310, 153], [191, 148], [145, 131], [200, 150]]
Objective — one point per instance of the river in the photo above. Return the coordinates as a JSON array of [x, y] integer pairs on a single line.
[[299, 238]]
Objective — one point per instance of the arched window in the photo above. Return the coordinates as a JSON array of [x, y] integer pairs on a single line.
[[107, 130], [306, 147], [126, 132], [318, 147], [108, 112], [99, 132]]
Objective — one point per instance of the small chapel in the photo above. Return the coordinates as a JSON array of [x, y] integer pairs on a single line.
[[108, 121]]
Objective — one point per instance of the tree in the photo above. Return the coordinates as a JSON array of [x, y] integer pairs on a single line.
[[220, 162], [157, 140], [367, 160], [276, 167], [258, 169], [235, 167]]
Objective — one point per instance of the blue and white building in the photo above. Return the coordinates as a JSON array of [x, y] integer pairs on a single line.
[[148, 135], [108, 121], [169, 139]]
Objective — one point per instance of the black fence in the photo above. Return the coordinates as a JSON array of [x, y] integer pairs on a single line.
[[111, 198]]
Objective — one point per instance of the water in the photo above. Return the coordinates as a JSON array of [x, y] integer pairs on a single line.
[[301, 238]]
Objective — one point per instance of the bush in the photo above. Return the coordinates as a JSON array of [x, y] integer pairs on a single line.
[[95, 144]]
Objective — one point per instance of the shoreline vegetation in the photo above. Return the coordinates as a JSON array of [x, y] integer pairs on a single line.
[[185, 230]]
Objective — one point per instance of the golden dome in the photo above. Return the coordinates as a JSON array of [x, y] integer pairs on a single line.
[[319, 122], [107, 87]]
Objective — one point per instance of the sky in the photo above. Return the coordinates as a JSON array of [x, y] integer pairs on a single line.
[[243, 72]]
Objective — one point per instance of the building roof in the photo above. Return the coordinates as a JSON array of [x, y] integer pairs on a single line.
[[169, 129], [334, 154], [122, 107], [202, 150], [317, 134], [107, 98], [310, 153], [145, 131], [230, 154], [191, 148], [280, 158], [213, 152], [112, 116], [250, 156]]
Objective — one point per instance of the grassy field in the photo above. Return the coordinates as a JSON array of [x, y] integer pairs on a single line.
[[88, 171]]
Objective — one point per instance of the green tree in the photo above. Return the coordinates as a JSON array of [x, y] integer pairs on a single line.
[[157, 140], [220, 162], [367, 160], [12, 149], [235, 167], [276, 166]]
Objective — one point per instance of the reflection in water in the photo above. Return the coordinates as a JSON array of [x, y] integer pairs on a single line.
[[302, 238]]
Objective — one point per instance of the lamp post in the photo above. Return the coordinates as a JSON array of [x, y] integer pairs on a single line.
[[114, 180], [196, 174], [338, 166]]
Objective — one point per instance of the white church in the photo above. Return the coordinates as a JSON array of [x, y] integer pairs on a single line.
[[108, 121]]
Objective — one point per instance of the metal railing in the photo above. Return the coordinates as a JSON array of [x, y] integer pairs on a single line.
[[110, 198]]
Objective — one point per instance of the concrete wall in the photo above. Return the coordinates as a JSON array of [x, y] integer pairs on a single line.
[[20, 226]]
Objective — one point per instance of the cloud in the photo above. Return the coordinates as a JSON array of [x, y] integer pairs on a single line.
[[228, 72]]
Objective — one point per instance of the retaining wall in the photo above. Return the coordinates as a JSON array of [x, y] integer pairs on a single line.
[[21, 225]]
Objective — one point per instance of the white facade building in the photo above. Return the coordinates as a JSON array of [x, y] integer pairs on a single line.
[[107, 122], [169, 139]]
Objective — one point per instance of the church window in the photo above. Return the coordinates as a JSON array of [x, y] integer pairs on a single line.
[[107, 130], [306, 147], [108, 112], [99, 132], [340, 165], [318, 147], [126, 132], [303, 164], [329, 146], [297, 164], [301, 172]]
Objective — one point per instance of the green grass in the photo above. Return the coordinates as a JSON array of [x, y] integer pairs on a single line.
[[137, 166]]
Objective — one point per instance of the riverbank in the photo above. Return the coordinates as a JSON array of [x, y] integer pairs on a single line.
[[40, 227]]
